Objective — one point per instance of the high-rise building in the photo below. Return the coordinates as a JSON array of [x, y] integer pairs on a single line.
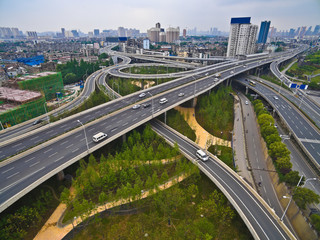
[[316, 30], [184, 33], [63, 31], [309, 32], [154, 34], [75, 33], [158, 25], [96, 32], [32, 35], [162, 37], [302, 32], [121, 32], [263, 33], [242, 37], [172, 34], [291, 32], [146, 44]]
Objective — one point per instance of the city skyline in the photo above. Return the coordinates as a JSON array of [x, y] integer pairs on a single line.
[[34, 15]]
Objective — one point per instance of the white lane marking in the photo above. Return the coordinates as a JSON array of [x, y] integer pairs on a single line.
[[264, 188], [20, 180], [63, 126], [134, 119], [18, 149], [50, 131], [125, 124], [103, 123], [91, 129], [53, 154], [69, 146], [47, 150], [7, 170], [16, 145], [58, 159], [34, 138], [75, 150], [63, 143], [34, 164], [113, 129], [29, 159], [143, 115], [78, 136], [2, 156], [13, 175]]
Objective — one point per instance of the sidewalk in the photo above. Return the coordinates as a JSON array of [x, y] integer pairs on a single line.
[[239, 144], [201, 134]]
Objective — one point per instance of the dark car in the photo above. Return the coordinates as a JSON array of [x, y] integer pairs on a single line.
[[145, 105], [37, 122]]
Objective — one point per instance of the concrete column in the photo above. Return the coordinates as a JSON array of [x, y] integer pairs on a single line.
[[228, 82], [124, 138], [246, 90], [60, 175], [165, 117], [194, 102]]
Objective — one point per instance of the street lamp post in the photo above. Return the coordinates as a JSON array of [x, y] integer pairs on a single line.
[[1, 125], [85, 135], [285, 211], [151, 103], [74, 219], [46, 112]]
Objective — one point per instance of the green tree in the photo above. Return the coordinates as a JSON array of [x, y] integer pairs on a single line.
[[278, 150], [292, 178], [265, 120], [70, 78], [103, 198], [267, 130], [65, 196], [315, 220], [304, 196], [284, 164], [273, 138]]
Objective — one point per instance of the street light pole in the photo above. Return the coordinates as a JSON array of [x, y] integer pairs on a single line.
[[285, 211], [1, 125], [46, 113], [152, 104], [85, 135]]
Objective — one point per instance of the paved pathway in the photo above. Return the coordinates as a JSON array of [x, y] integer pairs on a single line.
[[201, 133], [52, 231]]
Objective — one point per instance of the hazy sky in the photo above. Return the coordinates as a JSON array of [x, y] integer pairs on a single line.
[[51, 15]]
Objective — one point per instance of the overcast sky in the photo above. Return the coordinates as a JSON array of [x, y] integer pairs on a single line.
[[51, 15]]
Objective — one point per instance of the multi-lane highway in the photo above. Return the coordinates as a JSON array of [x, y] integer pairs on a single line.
[[304, 132], [258, 217]]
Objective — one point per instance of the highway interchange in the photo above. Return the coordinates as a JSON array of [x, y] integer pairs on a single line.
[[32, 169]]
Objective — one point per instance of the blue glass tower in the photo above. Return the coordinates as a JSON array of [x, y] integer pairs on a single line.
[[264, 30]]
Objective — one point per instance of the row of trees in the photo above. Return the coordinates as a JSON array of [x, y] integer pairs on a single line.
[[74, 71], [123, 174], [152, 70], [188, 210], [280, 155], [215, 112]]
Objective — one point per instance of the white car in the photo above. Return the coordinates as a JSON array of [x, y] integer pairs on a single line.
[[247, 102], [181, 94], [99, 136], [275, 97], [163, 100], [232, 72], [136, 106], [141, 95]]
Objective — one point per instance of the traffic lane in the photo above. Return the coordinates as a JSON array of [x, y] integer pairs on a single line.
[[313, 148], [261, 220], [297, 122], [257, 160]]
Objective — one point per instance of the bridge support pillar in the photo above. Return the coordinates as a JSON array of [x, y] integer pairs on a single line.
[[194, 102], [60, 175], [165, 117], [124, 138], [228, 82], [246, 90]]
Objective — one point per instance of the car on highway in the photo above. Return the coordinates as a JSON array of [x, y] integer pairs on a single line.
[[202, 155], [181, 94], [136, 106], [247, 102], [99, 136], [216, 80], [141, 95], [232, 72], [37, 122], [275, 97], [145, 105], [163, 100]]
